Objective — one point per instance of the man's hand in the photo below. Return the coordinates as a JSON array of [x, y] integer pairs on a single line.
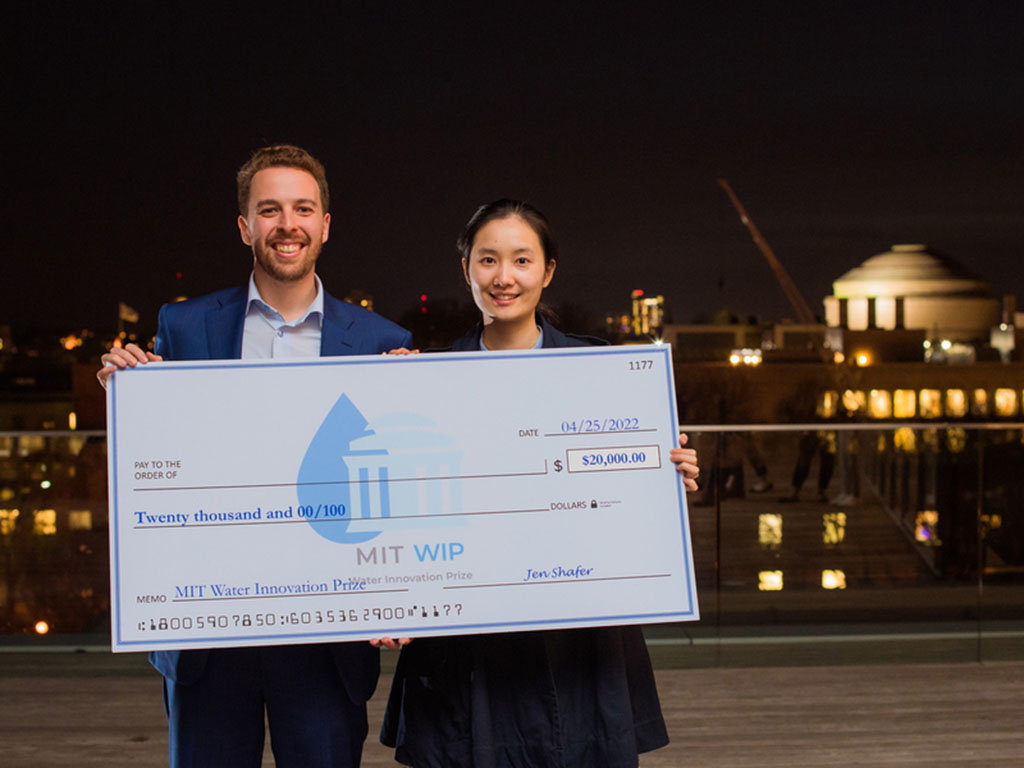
[[401, 351], [128, 357], [390, 643], [685, 460]]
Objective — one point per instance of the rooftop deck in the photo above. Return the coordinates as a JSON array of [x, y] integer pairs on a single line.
[[94, 709]]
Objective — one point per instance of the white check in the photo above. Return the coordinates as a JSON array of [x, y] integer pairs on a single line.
[[345, 498]]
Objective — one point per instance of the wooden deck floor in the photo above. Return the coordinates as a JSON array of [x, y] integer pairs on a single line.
[[71, 713]]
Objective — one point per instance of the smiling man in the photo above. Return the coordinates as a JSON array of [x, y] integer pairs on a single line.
[[313, 696]]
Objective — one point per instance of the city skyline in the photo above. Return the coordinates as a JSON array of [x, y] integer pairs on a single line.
[[844, 128]]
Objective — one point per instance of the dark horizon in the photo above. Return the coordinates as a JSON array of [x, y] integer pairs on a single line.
[[843, 128]]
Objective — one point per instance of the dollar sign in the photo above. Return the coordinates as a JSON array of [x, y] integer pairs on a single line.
[[558, 465]]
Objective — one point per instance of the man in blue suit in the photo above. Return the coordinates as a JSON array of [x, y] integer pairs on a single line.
[[313, 696]]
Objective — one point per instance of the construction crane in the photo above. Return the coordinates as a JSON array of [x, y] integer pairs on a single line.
[[796, 299]]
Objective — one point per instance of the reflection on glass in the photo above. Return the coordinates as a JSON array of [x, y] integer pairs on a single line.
[[979, 406], [956, 403], [956, 439], [904, 403], [930, 439], [834, 528], [905, 440], [931, 404], [833, 579], [769, 530], [769, 581], [1006, 402], [925, 527], [880, 404]]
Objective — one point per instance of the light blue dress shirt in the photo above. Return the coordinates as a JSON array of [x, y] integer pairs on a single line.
[[266, 334]]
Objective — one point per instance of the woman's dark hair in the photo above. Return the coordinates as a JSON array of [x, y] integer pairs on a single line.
[[503, 209]]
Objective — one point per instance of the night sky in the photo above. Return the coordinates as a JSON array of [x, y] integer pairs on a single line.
[[843, 127]]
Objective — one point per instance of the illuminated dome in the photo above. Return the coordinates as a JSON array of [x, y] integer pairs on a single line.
[[910, 270], [910, 287]]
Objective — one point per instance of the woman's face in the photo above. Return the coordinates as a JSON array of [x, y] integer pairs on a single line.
[[506, 270]]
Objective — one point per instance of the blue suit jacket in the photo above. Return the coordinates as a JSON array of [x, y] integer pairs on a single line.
[[210, 328]]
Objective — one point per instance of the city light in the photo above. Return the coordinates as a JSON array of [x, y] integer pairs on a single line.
[[745, 356], [833, 579], [42, 627], [769, 581], [71, 341]]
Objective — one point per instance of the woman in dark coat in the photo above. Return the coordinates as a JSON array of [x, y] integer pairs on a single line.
[[555, 698]]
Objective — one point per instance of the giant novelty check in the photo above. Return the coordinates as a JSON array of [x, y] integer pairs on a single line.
[[346, 498]]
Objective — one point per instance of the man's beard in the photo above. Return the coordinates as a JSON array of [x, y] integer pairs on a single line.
[[286, 272]]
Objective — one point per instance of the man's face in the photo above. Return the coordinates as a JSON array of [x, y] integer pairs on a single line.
[[285, 224]]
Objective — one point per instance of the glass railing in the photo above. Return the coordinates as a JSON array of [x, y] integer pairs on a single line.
[[829, 543]]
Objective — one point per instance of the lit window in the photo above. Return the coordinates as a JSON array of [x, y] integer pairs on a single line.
[[827, 404], [80, 520], [854, 400], [45, 522], [880, 404], [979, 406], [834, 528], [956, 403], [931, 404], [7, 519], [904, 403], [833, 579], [925, 528], [769, 530], [769, 581], [1006, 402]]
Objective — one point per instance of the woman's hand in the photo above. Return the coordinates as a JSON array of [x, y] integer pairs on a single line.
[[390, 643], [128, 357], [685, 460]]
